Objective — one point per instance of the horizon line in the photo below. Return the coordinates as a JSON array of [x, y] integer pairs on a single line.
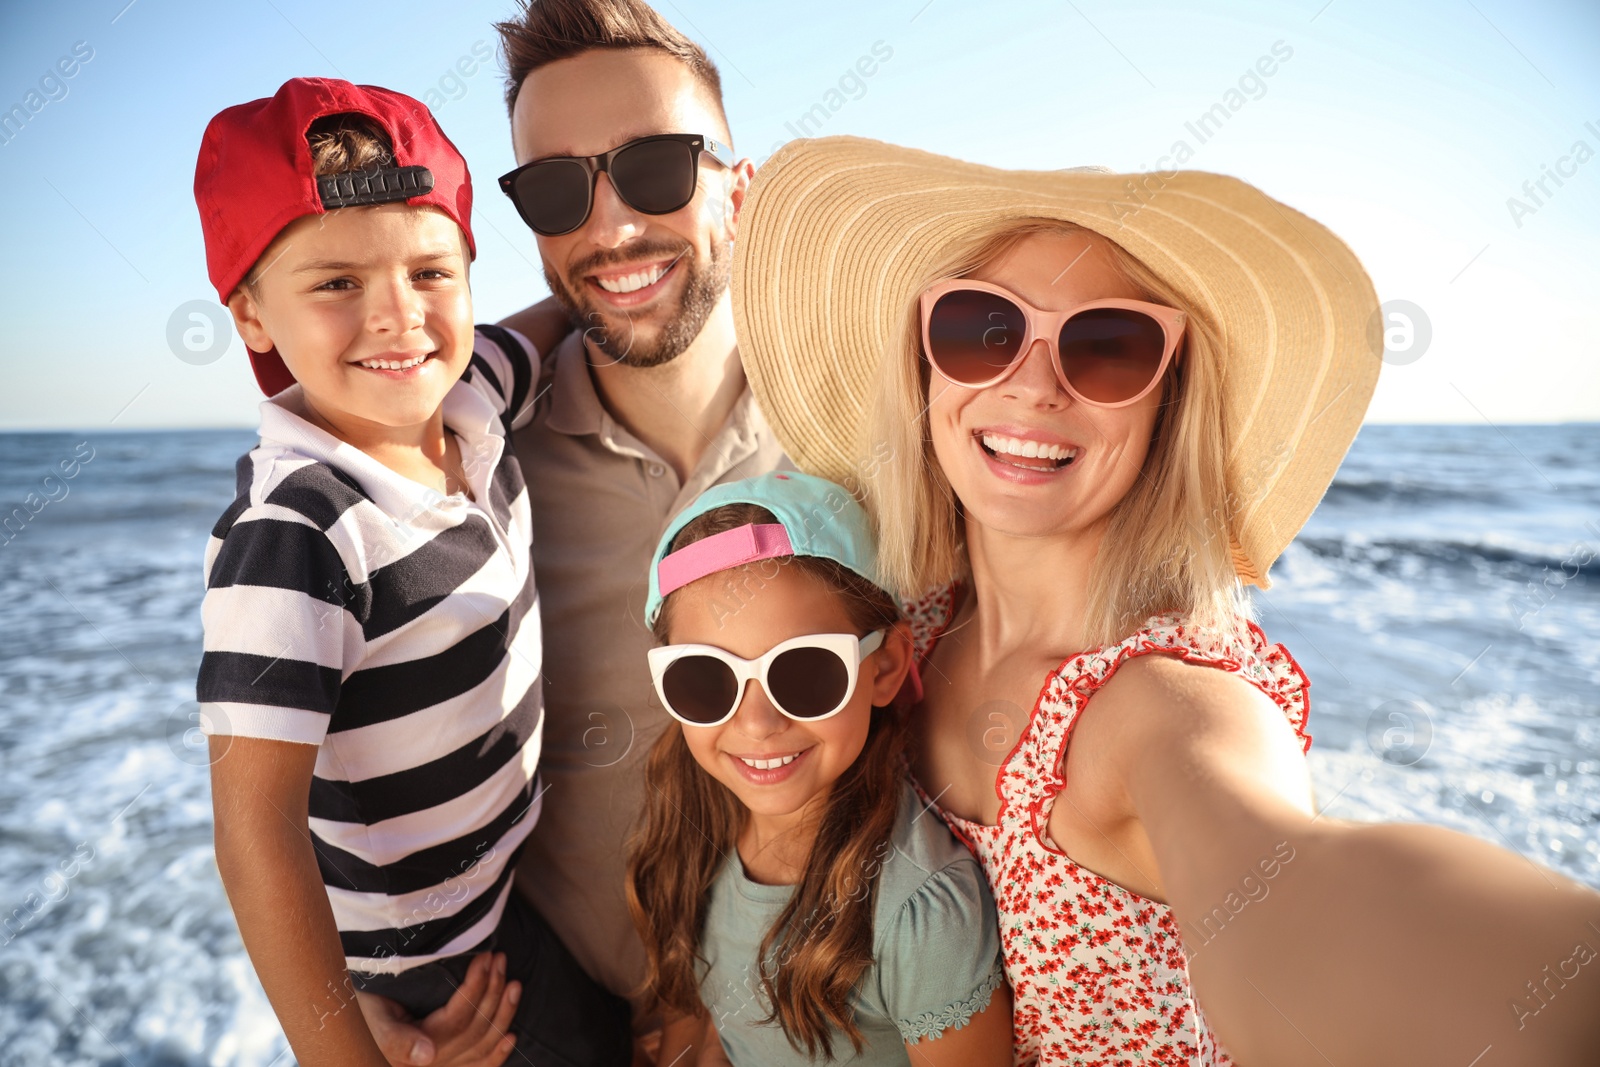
[[23, 431]]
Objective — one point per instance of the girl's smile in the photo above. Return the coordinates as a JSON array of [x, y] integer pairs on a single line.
[[778, 767], [769, 770]]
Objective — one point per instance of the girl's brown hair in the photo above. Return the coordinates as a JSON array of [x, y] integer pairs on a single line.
[[820, 946]]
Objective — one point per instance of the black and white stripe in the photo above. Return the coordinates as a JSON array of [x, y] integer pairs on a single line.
[[351, 608]]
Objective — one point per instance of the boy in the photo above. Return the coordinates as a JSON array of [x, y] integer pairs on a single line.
[[371, 676]]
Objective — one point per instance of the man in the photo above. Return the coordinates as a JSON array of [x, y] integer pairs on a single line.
[[641, 408]]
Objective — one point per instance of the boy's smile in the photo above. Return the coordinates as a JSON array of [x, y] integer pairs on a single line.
[[370, 309]]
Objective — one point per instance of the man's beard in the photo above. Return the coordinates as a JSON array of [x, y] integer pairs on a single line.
[[703, 286]]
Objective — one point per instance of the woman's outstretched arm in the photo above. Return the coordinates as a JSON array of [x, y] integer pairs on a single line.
[[1317, 941]]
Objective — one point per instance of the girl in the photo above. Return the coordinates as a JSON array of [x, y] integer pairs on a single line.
[[795, 899], [1107, 403]]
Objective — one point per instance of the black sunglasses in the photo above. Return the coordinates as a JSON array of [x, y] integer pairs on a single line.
[[655, 175]]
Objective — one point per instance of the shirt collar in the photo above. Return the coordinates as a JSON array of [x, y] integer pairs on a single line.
[[574, 405], [576, 410], [467, 413]]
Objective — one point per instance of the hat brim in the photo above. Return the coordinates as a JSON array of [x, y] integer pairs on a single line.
[[838, 235]]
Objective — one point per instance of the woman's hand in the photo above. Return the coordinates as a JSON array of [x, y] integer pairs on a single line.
[[472, 1029]]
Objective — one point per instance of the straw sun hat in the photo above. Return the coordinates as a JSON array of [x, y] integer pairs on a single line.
[[838, 234]]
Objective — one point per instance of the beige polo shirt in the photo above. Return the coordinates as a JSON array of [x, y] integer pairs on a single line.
[[601, 499]]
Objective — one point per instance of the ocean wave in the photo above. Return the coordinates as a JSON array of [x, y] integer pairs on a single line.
[[126, 508], [1399, 492], [1392, 554]]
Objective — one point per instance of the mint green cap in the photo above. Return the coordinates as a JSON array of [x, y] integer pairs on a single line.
[[822, 519]]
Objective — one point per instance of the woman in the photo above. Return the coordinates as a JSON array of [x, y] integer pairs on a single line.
[[1086, 409]]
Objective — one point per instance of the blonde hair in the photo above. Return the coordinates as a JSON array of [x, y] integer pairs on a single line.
[[1168, 546]]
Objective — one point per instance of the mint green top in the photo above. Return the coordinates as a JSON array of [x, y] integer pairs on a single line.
[[936, 939]]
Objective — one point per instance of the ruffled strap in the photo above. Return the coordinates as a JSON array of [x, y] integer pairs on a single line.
[[1032, 777]]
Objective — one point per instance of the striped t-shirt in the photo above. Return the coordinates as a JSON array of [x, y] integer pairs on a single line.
[[352, 608]]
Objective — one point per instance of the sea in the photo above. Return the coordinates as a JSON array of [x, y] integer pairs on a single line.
[[1444, 599]]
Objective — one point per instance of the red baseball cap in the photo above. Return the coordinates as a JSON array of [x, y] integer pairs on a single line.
[[254, 177]]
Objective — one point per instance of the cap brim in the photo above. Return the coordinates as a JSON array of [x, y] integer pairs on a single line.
[[271, 373]]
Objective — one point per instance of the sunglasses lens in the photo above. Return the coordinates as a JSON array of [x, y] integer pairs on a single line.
[[655, 177], [808, 682], [974, 335], [553, 197], [700, 689], [1111, 354]]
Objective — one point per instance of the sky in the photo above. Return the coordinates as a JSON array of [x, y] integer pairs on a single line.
[[1417, 131]]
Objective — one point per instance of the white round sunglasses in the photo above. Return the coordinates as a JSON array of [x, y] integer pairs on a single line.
[[807, 678]]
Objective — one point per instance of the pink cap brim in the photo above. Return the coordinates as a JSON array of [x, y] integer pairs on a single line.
[[720, 552]]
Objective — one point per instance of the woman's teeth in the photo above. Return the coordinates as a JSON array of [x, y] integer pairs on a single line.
[[393, 364], [628, 283], [770, 764], [1058, 455]]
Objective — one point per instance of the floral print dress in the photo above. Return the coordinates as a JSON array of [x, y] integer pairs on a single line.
[[1098, 974]]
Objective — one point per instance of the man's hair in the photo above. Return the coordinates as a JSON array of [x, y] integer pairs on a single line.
[[559, 29]]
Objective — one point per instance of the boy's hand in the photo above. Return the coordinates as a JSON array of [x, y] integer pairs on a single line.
[[460, 1034]]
